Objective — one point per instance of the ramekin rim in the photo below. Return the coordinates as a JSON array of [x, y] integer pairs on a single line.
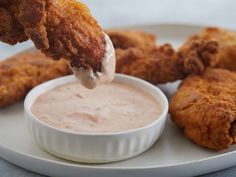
[[162, 96]]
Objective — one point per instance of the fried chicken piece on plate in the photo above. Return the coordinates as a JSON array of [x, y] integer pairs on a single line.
[[20, 73], [155, 65], [205, 108], [124, 39], [226, 41], [60, 28], [137, 54]]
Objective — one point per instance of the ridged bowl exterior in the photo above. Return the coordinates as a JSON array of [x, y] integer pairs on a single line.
[[95, 148]]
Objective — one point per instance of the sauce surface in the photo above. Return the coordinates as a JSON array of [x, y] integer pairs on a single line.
[[109, 108]]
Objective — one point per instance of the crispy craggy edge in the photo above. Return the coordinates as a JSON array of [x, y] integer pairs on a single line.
[[198, 55], [11, 31], [33, 18]]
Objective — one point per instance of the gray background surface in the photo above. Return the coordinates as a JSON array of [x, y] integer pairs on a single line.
[[112, 13]]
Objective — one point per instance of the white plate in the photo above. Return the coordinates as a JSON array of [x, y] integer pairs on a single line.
[[172, 155]]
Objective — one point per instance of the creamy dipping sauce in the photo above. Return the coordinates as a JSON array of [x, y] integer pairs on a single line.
[[109, 108], [91, 80]]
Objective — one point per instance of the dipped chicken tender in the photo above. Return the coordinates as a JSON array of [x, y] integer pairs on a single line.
[[60, 28], [205, 108]]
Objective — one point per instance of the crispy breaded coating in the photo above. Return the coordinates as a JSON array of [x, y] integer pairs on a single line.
[[60, 28], [20, 73], [11, 31], [225, 39], [205, 108], [155, 65], [138, 55], [3, 2], [199, 54], [124, 39]]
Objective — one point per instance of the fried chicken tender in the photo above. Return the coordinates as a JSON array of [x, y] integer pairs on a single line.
[[205, 108], [11, 31], [20, 73], [226, 40], [138, 55], [124, 39], [59, 28]]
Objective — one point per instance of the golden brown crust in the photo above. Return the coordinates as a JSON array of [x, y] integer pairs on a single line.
[[138, 55], [64, 29], [226, 41], [198, 55], [3, 2], [205, 108], [11, 31], [33, 18], [60, 28], [19, 74], [124, 39], [155, 65]]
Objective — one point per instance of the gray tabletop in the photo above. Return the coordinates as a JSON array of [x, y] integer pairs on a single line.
[[111, 13]]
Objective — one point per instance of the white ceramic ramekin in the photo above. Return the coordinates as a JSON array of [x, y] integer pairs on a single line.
[[95, 147]]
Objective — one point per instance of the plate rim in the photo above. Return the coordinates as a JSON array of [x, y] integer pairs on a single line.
[[85, 166]]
